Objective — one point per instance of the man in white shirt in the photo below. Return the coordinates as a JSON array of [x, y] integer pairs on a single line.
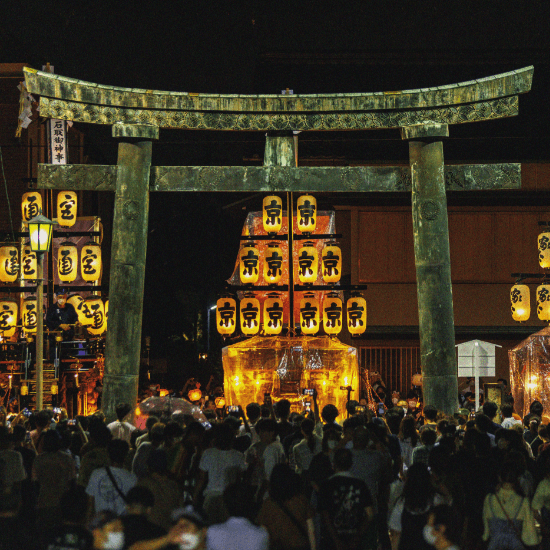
[[119, 428]]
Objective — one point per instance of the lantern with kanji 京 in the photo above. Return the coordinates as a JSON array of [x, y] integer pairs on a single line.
[[332, 314], [309, 314], [28, 314], [226, 315], [306, 213], [90, 262], [273, 314], [9, 263], [273, 262], [94, 313], [308, 260], [66, 208], [67, 262], [250, 315], [520, 298], [356, 314], [31, 205], [78, 302], [9, 313], [543, 302], [249, 261], [29, 263], [331, 263], [272, 214]]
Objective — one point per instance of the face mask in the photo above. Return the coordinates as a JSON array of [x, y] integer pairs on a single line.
[[188, 541], [429, 535], [332, 444], [395, 400], [115, 541], [61, 302]]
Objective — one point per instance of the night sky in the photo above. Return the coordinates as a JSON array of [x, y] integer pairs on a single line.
[[263, 47]]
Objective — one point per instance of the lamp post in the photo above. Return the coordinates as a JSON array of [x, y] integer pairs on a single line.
[[40, 231]]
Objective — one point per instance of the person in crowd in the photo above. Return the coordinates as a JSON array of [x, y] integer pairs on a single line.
[[483, 424], [490, 409], [143, 452], [121, 428], [187, 460], [62, 315], [42, 420], [408, 439], [253, 412], [329, 414], [149, 423], [282, 411], [421, 452], [97, 455], [430, 419], [238, 532], [508, 420], [444, 528], [541, 500], [309, 446], [542, 439]]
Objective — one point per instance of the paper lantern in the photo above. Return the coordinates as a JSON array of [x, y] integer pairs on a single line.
[[28, 314], [543, 302], [273, 262], [194, 395], [31, 206], [250, 315], [90, 262], [331, 260], [308, 260], [94, 314], [273, 314], [306, 213], [332, 314], [309, 314], [66, 208], [40, 231], [67, 262], [78, 302], [106, 313], [357, 314], [520, 298], [226, 315], [29, 263], [9, 263], [24, 389], [249, 261], [9, 313], [54, 388], [272, 214]]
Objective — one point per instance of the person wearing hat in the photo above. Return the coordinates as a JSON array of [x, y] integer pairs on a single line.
[[62, 315]]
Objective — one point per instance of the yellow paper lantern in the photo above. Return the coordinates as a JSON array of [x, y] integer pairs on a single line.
[[357, 314], [220, 402], [9, 263], [273, 262], [306, 213], [331, 259], [78, 303], [67, 262], [272, 214], [273, 314], [28, 315], [543, 302], [31, 205], [520, 298], [106, 313], [24, 389], [94, 314], [332, 314], [544, 249], [9, 313], [226, 315], [309, 314], [29, 263], [308, 263], [90, 262], [250, 315], [194, 395], [66, 208], [249, 261]]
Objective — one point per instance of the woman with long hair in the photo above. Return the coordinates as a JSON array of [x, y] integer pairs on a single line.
[[408, 440]]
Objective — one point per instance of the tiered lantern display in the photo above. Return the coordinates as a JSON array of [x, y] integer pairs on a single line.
[[226, 315], [31, 205], [28, 315], [90, 262], [308, 262], [543, 302], [272, 214], [67, 262], [9, 313], [29, 263], [306, 213], [250, 315], [331, 263], [273, 314], [332, 314], [273, 263], [309, 314], [9, 263], [66, 208], [357, 314], [520, 298]]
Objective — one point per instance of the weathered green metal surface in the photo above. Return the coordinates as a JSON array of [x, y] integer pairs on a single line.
[[276, 178], [135, 131], [280, 150]]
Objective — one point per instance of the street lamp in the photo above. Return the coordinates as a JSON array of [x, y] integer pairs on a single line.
[[40, 232]]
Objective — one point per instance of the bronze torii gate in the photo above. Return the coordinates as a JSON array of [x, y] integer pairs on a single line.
[[421, 115]]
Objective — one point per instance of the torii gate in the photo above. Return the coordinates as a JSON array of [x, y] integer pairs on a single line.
[[422, 116]]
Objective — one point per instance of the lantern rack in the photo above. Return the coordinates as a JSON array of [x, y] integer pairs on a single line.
[[55, 235], [295, 237]]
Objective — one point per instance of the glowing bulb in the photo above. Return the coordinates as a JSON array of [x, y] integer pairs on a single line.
[[346, 381], [324, 382]]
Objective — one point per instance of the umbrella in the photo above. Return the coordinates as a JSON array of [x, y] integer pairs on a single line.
[[170, 405]]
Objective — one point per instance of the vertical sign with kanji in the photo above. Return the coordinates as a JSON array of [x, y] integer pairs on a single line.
[[58, 141]]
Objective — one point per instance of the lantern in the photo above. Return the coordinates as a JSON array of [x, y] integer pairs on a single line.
[[9, 263], [250, 315], [194, 395], [40, 231], [249, 260], [28, 315], [9, 313], [66, 208], [29, 263], [272, 214], [226, 315], [67, 262], [308, 260], [54, 388], [273, 314], [94, 313], [520, 298], [543, 302], [24, 389], [273, 262], [31, 206], [220, 402], [357, 314], [309, 314], [306, 213], [90, 262], [106, 313], [78, 302], [332, 314], [331, 260]]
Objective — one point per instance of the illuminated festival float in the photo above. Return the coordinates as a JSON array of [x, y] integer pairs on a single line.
[[274, 289]]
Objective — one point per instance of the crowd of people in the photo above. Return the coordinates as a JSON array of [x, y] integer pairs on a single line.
[[397, 478]]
